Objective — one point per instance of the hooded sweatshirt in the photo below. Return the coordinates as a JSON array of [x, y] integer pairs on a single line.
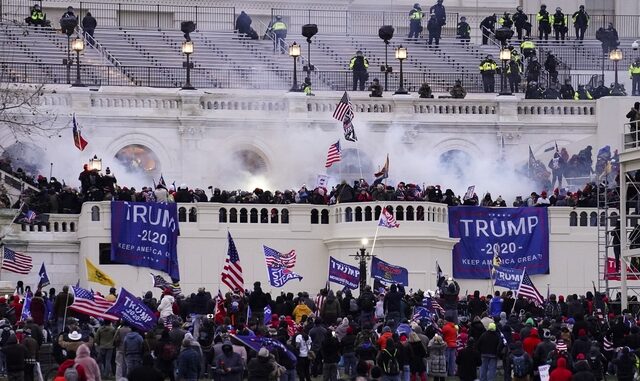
[[530, 343], [83, 358], [166, 306], [560, 373]]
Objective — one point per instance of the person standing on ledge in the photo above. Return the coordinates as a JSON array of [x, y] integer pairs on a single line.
[[359, 65]]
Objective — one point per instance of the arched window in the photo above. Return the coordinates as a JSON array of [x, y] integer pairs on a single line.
[[95, 213], [324, 217], [264, 216], [254, 216], [378, 211], [348, 214], [193, 215], [367, 213], [243, 216], [72, 226], [399, 213], [573, 219], [358, 213], [233, 215], [583, 219], [593, 219], [420, 213], [410, 215], [140, 159], [223, 215], [64, 227], [56, 227], [182, 214], [314, 216], [285, 216], [274, 216]]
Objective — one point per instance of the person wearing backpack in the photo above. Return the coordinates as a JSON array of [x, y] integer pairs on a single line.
[[70, 371], [388, 362], [521, 363], [330, 351], [104, 343], [132, 346]]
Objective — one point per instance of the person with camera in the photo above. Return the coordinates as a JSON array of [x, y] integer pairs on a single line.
[[580, 22], [559, 21], [544, 22], [359, 65], [376, 89]]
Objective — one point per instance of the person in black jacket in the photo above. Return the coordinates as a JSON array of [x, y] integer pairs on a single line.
[[476, 306], [488, 27], [489, 345], [521, 21], [625, 365], [89, 25], [258, 300], [435, 30], [468, 361], [330, 350]]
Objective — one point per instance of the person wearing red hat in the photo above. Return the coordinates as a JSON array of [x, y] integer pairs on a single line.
[[543, 200], [561, 373], [530, 343]]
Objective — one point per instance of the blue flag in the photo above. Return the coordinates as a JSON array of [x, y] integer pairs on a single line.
[[257, 342], [26, 308], [44, 278], [388, 273], [146, 235], [344, 274], [279, 273], [267, 315], [507, 277], [420, 313], [133, 311]]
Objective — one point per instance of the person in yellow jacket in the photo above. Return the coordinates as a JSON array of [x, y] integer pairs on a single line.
[[582, 94], [488, 69], [544, 22], [359, 65], [528, 48], [559, 21], [415, 21], [279, 30], [301, 310], [634, 73], [36, 17]]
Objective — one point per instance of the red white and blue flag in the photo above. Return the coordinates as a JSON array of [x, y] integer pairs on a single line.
[[16, 262], [528, 290], [334, 154], [387, 220], [232, 271], [78, 140], [91, 303], [277, 259]]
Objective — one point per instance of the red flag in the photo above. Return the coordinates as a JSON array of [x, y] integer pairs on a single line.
[[221, 313], [78, 140]]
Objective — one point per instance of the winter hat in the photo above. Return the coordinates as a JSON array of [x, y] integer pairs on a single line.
[[386, 328], [263, 352], [582, 332], [492, 327], [529, 321]]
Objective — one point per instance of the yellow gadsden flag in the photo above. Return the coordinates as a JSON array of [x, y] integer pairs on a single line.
[[94, 274]]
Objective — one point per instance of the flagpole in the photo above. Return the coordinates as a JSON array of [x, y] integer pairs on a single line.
[[359, 163], [375, 237]]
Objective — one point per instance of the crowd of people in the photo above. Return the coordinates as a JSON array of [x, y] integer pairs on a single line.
[[383, 333], [52, 196]]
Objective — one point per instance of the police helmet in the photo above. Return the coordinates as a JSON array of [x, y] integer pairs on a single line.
[[558, 9], [519, 8], [581, 7], [37, 6], [416, 5], [543, 6], [463, 18], [359, 53], [278, 17], [489, 56]]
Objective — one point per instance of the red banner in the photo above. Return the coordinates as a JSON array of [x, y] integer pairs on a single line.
[[613, 274]]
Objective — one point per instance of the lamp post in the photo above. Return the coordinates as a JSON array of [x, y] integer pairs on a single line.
[[401, 55], [362, 256], [95, 163], [294, 52], [78, 46], [615, 55], [187, 50], [505, 57]]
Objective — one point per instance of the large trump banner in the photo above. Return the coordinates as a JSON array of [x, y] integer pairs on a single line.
[[516, 238], [145, 235]]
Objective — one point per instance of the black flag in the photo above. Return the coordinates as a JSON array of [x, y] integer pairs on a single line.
[[349, 131]]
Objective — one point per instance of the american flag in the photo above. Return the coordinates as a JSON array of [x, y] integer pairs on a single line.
[[528, 290], [163, 284], [232, 271], [78, 140], [561, 346], [607, 345], [343, 108], [420, 313], [276, 259], [432, 305], [387, 220], [333, 155], [91, 303], [15, 262]]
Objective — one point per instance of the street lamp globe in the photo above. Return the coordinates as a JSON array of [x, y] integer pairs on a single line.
[[187, 47], [401, 53], [77, 45], [364, 242], [294, 50]]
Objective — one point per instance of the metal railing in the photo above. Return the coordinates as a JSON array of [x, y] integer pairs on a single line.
[[204, 77], [631, 136], [129, 15]]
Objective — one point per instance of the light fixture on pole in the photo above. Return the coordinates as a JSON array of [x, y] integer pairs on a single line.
[[294, 52], [308, 31], [187, 50], [401, 55], [505, 57], [362, 256], [78, 46], [95, 163], [386, 33], [615, 55]]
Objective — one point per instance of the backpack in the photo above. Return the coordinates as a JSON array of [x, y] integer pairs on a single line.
[[169, 352], [391, 366], [131, 345], [520, 366], [71, 374]]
